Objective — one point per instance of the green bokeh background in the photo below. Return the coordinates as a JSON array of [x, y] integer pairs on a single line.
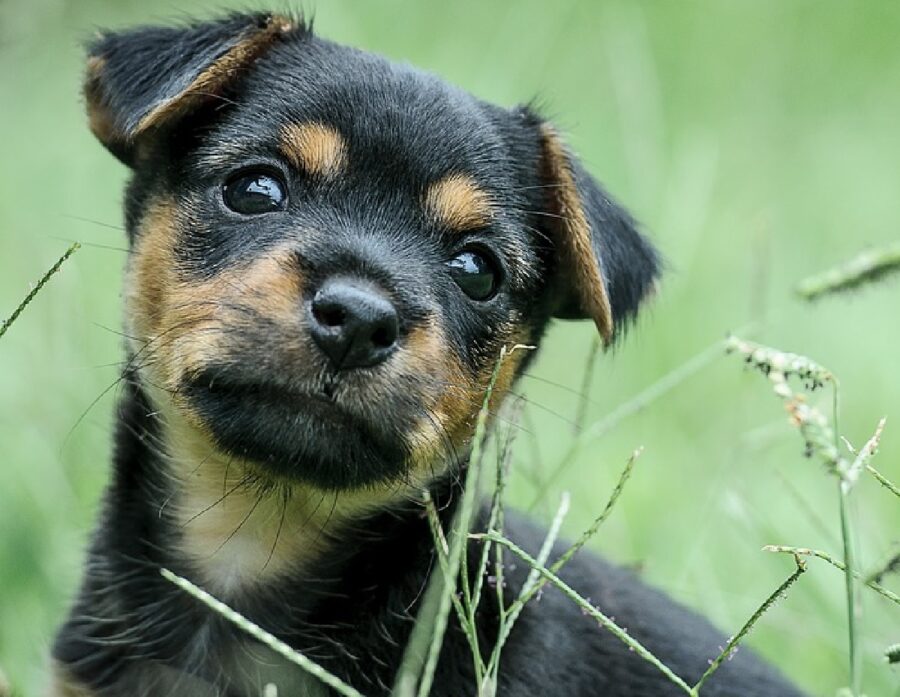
[[757, 141]]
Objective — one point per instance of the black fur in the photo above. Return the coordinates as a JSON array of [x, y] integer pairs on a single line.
[[130, 632]]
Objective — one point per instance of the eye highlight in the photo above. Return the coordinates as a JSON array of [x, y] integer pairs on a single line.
[[476, 272], [255, 191]]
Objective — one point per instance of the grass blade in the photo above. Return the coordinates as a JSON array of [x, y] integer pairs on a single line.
[[824, 556], [748, 625], [529, 588], [605, 621], [7, 323]]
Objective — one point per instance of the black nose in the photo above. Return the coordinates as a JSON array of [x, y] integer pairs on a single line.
[[353, 323]]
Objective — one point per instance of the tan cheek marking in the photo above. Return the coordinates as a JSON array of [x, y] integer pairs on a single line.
[[460, 395], [180, 326], [172, 320], [150, 283], [426, 354], [457, 202], [268, 289], [150, 276], [463, 419], [271, 285], [315, 148]]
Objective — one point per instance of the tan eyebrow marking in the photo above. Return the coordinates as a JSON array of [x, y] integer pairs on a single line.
[[314, 147], [459, 203]]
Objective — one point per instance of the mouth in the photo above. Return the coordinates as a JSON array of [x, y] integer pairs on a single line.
[[304, 436]]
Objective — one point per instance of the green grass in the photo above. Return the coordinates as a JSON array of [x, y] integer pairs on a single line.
[[758, 143]]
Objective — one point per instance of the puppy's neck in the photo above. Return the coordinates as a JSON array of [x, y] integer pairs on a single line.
[[234, 529], [238, 528]]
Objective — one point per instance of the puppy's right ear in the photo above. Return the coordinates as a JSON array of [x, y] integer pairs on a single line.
[[143, 80]]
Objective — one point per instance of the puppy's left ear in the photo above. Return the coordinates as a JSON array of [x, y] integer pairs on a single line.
[[604, 267]]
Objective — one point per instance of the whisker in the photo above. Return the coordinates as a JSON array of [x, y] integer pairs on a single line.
[[234, 532], [115, 331], [285, 495], [538, 186], [244, 481], [96, 245], [549, 215], [90, 406], [99, 223], [581, 394]]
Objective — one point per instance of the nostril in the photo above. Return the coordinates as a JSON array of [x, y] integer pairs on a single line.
[[330, 315], [383, 337]]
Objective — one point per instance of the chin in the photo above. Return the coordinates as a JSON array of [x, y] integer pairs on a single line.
[[304, 437]]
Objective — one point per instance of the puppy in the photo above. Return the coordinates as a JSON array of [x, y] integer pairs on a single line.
[[327, 253]]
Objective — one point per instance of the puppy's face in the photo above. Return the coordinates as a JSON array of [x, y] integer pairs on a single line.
[[329, 250]]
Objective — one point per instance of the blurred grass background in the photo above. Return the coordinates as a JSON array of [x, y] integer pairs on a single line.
[[757, 141]]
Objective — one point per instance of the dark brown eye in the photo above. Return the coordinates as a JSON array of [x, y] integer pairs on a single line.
[[252, 192], [476, 273]]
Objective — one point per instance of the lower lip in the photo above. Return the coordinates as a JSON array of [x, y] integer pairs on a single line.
[[298, 435], [264, 395]]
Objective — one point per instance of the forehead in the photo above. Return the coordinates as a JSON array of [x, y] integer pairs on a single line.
[[391, 118]]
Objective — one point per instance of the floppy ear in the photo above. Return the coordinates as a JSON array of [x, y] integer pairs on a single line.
[[605, 267], [142, 80]]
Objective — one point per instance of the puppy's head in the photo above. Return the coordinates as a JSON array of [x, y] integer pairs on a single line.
[[328, 250]]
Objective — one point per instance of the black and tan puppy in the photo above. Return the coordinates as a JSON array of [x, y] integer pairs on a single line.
[[328, 252]]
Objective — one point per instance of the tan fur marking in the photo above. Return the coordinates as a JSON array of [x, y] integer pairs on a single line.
[[150, 270], [180, 325], [315, 148], [267, 288], [575, 234], [222, 71], [100, 121], [95, 66], [154, 320], [459, 400], [245, 539], [231, 534], [459, 203], [427, 354], [64, 685]]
